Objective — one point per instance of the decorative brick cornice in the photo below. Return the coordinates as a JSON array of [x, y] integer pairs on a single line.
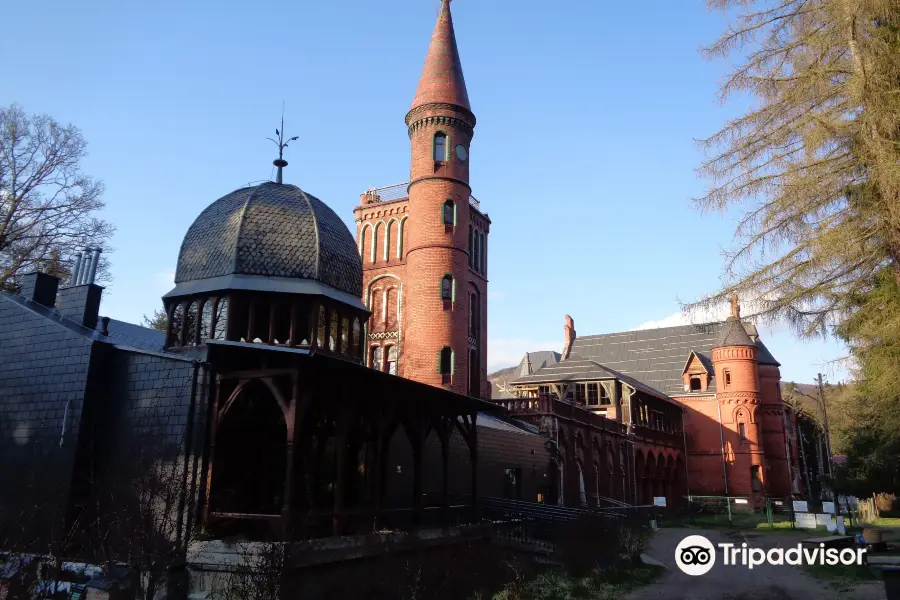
[[738, 397], [467, 117], [385, 335], [734, 353]]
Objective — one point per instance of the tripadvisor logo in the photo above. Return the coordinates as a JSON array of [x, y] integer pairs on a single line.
[[696, 555]]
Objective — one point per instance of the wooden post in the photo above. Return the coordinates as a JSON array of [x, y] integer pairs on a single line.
[[445, 433], [272, 306], [213, 429], [251, 320]]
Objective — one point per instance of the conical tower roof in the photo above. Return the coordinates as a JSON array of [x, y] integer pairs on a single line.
[[442, 78]]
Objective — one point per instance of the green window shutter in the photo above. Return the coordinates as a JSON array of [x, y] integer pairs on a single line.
[[453, 290], [454, 214], [438, 364], [452, 362]]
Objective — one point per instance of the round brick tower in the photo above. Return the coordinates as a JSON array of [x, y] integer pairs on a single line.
[[440, 125], [736, 364]]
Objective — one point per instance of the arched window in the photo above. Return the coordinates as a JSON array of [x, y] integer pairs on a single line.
[[582, 494], [482, 253], [387, 241], [449, 213], [362, 239], [345, 335], [376, 358], [471, 246], [206, 320], [476, 260], [448, 288], [221, 318], [333, 332], [190, 325], [320, 329], [378, 228], [400, 234], [474, 315], [354, 339], [445, 364], [175, 325], [392, 360], [440, 147]]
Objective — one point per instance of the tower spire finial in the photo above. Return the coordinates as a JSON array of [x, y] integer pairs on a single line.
[[282, 144], [735, 306]]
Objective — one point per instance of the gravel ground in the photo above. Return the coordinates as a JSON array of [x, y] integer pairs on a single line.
[[765, 582]]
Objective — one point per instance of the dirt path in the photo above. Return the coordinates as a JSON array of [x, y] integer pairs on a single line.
[[766, 582]]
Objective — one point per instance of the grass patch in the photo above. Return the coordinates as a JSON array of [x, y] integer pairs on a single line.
[[887, 522], [556, 584], [842, 578]]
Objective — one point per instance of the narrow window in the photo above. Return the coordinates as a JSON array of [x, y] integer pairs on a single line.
[[392, 360], [362, 240], [190, 325], [742, 432], [449, 213], [175, 325], [354, 341], [376, 358], [695, 383], [320, 333], [475, 259], [727, 378], [206, 316], [445, 365], [447, 288], [474, 324], [483, 254], [592, 397], [471, 246], [345, 335], [754, 478], [440, 147], [221, 318], [332, 338], [579, 394]]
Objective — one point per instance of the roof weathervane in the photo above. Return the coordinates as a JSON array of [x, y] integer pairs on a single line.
[[282, 144]]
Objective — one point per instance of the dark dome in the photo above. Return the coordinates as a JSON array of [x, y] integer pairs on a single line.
[[271, 230], [733, 333]]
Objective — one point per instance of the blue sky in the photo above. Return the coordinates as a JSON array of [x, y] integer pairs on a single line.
[[583, 154]]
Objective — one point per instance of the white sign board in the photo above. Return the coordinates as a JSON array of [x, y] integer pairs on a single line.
[[824, 520], [841, 528], [806, 520], [659, 501], [800, 506], [740, 501], [828, 507]]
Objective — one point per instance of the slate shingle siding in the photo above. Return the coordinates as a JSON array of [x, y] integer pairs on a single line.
[[43, 368]]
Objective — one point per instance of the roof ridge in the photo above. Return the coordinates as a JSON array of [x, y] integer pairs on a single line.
[[240, 227], [593, 335], [315, 220]]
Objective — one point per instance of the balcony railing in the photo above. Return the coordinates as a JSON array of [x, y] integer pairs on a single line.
[[389, 193]]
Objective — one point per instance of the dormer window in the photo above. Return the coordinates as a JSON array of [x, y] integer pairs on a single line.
[[440, 147], [696, 384]]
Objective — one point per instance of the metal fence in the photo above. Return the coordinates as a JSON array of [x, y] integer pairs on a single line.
[[755, 513]]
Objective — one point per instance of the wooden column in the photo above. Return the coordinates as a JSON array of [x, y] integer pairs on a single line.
[[295, 324], [273, 304], [343, 428], [213, 429], [251, 319], [297, 409]]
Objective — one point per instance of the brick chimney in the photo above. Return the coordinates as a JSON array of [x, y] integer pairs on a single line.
[[41, 288], [569, 329], [80, 299]]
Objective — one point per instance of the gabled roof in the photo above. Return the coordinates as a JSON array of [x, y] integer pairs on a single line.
[[534, 361], [577, 368], [702, 359]]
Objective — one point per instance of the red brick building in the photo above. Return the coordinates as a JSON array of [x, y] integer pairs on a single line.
[[738, 436], [424, 243]]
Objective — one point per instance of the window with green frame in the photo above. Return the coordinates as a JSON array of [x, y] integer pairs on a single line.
[[448, 213], [448, 288], [445, 360], [439, 146]]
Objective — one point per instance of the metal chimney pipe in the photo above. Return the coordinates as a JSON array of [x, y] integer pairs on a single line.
[[85, 267], [76, 270], [95, 262]]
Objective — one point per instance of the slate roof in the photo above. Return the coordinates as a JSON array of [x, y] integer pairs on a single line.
[[577, 368], [532, 361], [136, 336], [271, 230], [733, 333], [656, 357]]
